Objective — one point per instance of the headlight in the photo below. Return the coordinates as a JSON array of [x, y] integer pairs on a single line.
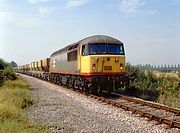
[[94, 66], [121, 66]]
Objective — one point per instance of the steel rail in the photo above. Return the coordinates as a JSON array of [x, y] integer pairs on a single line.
[[146, 103]]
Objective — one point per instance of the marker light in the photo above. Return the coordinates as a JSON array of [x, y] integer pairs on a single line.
[[116, 60], [97, 59], [108, 58]]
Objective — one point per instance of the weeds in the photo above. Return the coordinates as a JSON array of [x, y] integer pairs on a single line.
[[14, 96], [178, 73]]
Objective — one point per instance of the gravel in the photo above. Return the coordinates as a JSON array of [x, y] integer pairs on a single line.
[[63, 110]]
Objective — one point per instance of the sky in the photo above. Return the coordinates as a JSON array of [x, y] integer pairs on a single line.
[[31, 30]]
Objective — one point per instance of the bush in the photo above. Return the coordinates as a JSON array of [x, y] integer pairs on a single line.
[[143, 84], [168, 84], [146, 85], [6, 72], [9, 73], [133, 71], [1, 78], [169, 91], [3, 64]]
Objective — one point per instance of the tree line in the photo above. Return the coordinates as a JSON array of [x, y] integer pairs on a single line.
[[162, 68]]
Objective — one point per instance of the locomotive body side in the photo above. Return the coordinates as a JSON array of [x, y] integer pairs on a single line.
[[64, 62]]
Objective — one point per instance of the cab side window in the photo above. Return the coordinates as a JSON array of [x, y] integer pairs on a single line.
[[84, 50]]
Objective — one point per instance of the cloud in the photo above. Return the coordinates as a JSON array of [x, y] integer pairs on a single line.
[[131, 6], [74, 3], [18, 19], [6, 17], [27, 22], [36, 1], [175, 1], [153, 12], [111, 6], [45, 10]]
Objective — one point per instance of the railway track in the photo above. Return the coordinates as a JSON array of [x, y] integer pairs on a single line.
[[161, 114], [149, 104], [154, 112]]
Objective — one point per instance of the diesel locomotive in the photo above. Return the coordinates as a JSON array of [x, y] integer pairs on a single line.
[[92, 64]]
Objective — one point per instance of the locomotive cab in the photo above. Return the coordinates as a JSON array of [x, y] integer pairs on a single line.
[[102, 62], [102, 59]]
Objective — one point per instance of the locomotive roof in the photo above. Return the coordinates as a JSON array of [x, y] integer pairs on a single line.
[[89, 40], [100, 39]]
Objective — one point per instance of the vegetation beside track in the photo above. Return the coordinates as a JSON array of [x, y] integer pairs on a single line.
[[14, 97], [146, 85], [6, 72]]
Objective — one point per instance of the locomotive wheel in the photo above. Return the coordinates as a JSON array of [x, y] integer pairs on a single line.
[[87, 90], [91, 88], [56, 79], [60, 80], [99, 89], [68, 82], [73, 84]]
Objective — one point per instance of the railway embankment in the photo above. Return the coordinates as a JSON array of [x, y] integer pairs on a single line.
[[64, 110]]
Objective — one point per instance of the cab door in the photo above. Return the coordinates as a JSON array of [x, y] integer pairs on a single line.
[[84, 59], [79, 59]]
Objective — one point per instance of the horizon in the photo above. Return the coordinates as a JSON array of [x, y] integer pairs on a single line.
[[33, 29]]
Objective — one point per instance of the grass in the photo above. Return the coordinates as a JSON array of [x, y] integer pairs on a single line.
[[14, 96], [169, 91], [169, 100]]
